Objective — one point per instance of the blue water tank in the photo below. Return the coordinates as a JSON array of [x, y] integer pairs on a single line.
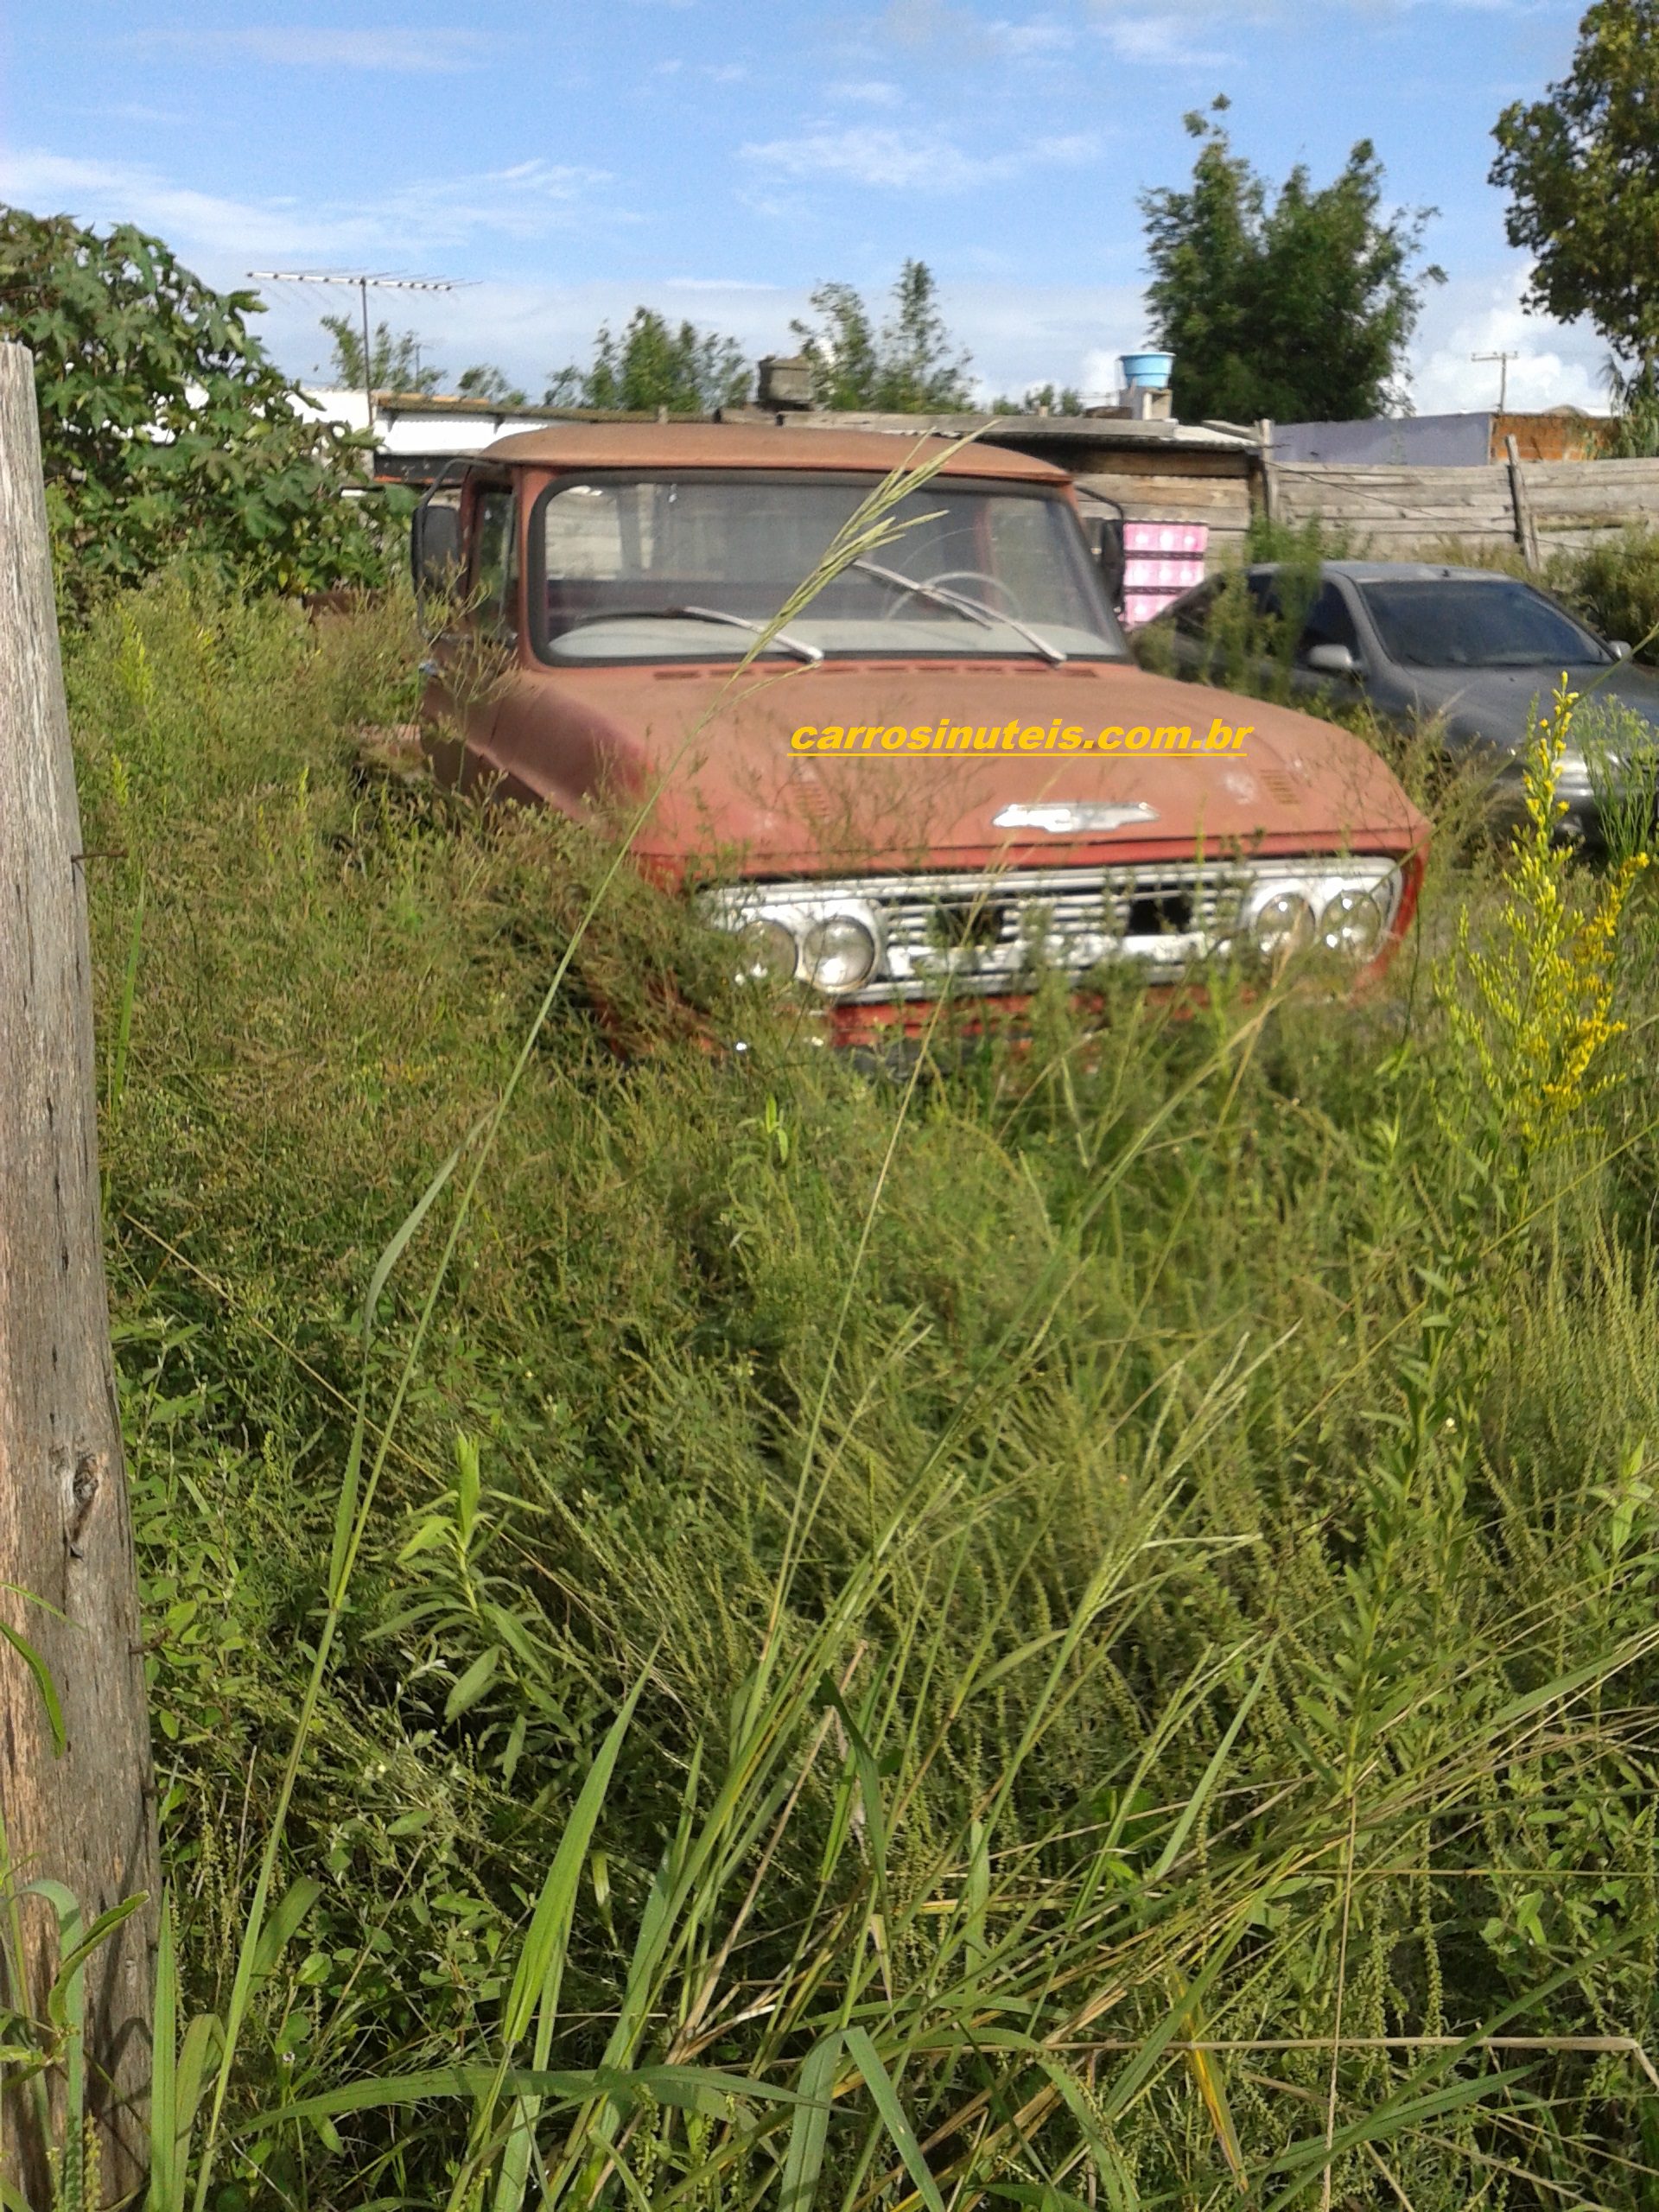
[[1147, 371]]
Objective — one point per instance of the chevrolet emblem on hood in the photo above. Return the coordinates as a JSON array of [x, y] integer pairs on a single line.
[[1068, 818]]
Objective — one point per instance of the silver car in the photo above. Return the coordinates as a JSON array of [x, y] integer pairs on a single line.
[[1415, 641]]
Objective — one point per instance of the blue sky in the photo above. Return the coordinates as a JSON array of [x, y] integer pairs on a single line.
[[717, 159]]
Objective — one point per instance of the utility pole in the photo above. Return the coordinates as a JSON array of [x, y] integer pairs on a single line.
[[1502, 360], [364, 283], [77, 1803]]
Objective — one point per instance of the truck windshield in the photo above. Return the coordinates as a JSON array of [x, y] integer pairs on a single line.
[[635, 569]]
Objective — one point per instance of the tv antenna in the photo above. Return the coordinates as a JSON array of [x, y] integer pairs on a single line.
[[365, 283], [1502, 360]]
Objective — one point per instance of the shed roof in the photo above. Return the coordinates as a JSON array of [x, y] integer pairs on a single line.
[[1056, 432]]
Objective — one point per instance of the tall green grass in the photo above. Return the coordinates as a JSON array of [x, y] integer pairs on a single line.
[[1077, 1629]]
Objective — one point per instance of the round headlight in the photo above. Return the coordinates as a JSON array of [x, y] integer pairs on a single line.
[[769, 948], [1352, 925], [838, 953], [1281, 925]]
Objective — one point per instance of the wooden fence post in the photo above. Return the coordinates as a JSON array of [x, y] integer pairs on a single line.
[[1270, 489], [1526, 534], [86, 1818]]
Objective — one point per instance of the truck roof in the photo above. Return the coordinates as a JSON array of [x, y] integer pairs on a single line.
[[755, 445]]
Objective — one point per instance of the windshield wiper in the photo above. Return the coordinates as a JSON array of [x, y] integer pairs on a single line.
[[784, 637], [789, 643], [989, 617]]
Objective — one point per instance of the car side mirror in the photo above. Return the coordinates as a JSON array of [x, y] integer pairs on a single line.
[[1618, 648], [434, 547], [1331, 660]]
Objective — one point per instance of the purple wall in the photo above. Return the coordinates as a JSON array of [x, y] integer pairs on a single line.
[[1407, 440]]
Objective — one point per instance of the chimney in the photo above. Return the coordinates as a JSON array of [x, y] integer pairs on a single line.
[[784, 381]]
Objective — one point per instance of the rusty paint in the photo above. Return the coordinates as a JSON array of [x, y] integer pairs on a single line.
[[731, 801]]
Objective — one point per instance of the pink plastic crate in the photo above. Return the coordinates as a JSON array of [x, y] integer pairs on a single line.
[[1140, 573], [1142, 605], [1166, 537]]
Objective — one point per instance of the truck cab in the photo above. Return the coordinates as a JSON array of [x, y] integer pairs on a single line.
[[941, 771]]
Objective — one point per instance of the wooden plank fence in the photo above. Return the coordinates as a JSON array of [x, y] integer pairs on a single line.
[[1401, 513]]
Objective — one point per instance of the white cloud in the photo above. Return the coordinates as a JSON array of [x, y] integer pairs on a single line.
[[191, 221], [1026, 334], [911, 161], [870, 93], [924, 22], [1043, 36], [961, 34], [715, 284], [522, 202], [1164, 40], [1555, 367], [135, 111], [415, 51]]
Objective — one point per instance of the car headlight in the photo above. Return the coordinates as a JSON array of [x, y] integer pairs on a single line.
[[769, 948], [1352, 924], [838, 953], [1281, 925]]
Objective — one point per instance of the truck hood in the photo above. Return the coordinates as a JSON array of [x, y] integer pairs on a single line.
[[731, 779]]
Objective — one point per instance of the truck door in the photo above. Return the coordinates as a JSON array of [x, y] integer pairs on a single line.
[[471, 658]]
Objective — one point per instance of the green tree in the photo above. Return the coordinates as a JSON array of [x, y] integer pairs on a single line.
[[910, 367], [1581, 167], [1297, 305], [395, 362], [485, 381], [1042, 399], [652, 365], [166, 427]]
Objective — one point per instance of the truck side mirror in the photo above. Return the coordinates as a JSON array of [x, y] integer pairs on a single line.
[[1104, 533], [1112, 558], [434, 547]]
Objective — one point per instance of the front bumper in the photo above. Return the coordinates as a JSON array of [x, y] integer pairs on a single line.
[[979, 941], [1581, 821]]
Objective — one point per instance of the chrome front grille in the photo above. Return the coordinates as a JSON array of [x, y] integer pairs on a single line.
[[981, 931]]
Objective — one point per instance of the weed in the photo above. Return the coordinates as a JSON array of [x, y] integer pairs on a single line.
[[1614, 585], [1537, 1011], [1078, 1629]]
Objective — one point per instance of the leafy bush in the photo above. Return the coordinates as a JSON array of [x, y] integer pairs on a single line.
[[165, 428], [1614, 585]]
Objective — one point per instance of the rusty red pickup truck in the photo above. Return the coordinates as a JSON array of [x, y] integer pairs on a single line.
[[944, 772]]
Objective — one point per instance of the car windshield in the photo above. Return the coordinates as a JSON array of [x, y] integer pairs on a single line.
[[662, 568], [1448, 622]]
